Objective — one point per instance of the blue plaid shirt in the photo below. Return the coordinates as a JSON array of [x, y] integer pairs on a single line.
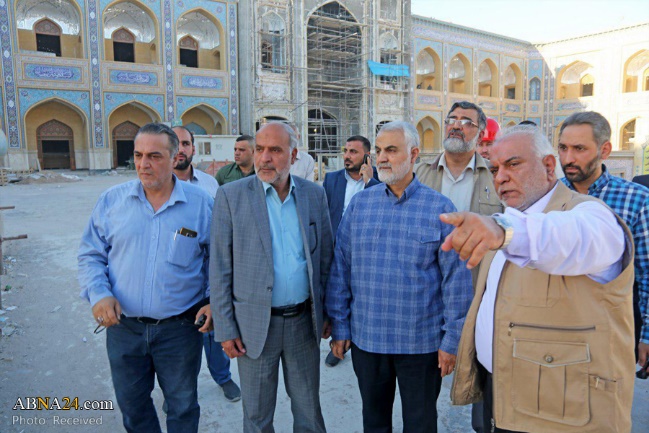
[[630, 201], [391, 288]]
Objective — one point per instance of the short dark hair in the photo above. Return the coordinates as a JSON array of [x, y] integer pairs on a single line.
[[367, 146], [598, 123], [466, 105], [156, 128], [528, 122], [249, 138], [191, 134]]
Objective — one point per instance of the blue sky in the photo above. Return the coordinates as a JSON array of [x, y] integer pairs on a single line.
[[537, 20]]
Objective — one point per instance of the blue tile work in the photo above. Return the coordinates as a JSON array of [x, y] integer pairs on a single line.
[[8, 71], [48, 72], [184, 103], [30, 97], [133, 78], [152, 5], [199, 82], [452, 50], [169, 43], [234, 85], [215, 8], [95, 38], [420, 44], [113, 100], [2, 114], [535, 69]]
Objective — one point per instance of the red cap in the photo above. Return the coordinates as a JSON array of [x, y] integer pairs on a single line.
[[491, 130]]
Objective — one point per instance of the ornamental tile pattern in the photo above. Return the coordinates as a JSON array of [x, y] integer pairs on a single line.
[[169, 24], [8, 71], [95, 37], [113, 100], [234, 84]]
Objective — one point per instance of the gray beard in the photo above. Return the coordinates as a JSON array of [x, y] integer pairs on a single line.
[[458, 145]]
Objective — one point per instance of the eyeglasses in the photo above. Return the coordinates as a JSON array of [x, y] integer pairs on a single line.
[[449, 121], [101, 327]]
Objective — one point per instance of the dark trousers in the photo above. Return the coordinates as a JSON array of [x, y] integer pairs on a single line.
[[419, 381], [488, 420], [138, 353]]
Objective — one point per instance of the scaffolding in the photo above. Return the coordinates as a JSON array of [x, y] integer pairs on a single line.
[[340, 89]]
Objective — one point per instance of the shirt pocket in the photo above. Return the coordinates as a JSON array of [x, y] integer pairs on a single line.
[[551, 381], [424, 241], [183, 250]]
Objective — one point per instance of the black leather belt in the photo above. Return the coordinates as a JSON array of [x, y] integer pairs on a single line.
[[289, 311], [151, 321]]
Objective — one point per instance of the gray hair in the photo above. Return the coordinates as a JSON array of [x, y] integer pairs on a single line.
[[598, 123], [156, 128], [466, 105], [409, 132], [294, 142], [542, 146]]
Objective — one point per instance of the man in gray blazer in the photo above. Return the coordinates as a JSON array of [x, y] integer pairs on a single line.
[[271, 249]]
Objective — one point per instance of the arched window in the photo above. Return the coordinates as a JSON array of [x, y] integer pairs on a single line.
[[273, 34], [512, 82], [389, 49], [575, 80], [535, 89], [48, 37], [487, 79], [188, 52], [459, 75], [586, 85], [123, 46], [199, 36], [428, 70], [49, 26], [636, 72], [628, 136]]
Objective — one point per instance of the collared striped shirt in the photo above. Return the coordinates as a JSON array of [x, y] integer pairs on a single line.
[[630, 201]]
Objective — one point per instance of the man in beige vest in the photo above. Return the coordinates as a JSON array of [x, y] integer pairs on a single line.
[[548, 339], [460, 173]]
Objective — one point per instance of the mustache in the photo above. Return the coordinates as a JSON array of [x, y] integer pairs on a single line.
[[384, 165], [456, 134]]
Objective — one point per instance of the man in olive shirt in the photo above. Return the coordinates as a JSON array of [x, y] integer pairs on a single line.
[[244, 149]]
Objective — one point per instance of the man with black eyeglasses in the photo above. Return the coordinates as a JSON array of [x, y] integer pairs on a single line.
[[462, 175]]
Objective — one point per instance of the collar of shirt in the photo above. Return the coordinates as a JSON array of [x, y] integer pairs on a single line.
[[596, 187], [407, 193], [273, 192], [469, 166], [351, 179], [177, 194]]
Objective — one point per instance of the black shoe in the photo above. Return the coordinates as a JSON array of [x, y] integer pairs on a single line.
[[331, 360], [231, 391]]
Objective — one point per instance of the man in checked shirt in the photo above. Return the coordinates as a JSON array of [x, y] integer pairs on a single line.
[[393, 295], [584, 142]]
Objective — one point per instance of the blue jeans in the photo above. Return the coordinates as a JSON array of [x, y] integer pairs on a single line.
[[217, 361], [137, 353]]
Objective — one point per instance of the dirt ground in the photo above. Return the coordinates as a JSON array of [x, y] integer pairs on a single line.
[[48, 348]]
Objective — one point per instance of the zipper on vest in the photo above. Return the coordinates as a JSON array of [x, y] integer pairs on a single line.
[[513, 325]]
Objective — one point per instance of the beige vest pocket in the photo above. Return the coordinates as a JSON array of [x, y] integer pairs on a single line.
[[550, 380]]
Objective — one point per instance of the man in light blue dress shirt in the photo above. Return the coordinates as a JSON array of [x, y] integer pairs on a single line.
[[142, 266], [218, 362]]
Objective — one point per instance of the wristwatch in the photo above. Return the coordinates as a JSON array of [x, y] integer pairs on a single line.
[[505, 224]]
